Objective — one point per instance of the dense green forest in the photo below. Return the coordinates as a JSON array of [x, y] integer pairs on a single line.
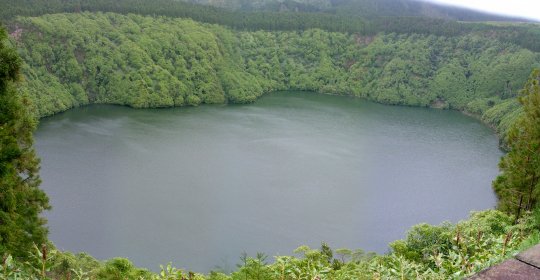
[[166, 53], [140, 61]]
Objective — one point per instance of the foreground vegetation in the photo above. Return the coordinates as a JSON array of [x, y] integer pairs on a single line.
[[21, 200], [518, 185], [429, 252]]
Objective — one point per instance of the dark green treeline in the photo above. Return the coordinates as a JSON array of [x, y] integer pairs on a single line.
[[389, 16]]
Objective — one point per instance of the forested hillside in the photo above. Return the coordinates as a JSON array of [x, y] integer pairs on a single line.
[[77, 59]]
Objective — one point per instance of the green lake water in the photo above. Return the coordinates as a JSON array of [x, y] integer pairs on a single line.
[[200, 186]]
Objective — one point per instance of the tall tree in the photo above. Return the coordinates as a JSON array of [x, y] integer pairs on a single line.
[[21, 200], [518, 186]]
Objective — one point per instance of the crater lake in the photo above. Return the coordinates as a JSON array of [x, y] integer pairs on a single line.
[[198, 186]]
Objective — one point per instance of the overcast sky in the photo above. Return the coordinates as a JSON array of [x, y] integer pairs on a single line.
[[520, 8]]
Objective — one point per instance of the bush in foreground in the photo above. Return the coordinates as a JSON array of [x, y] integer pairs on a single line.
[[447, 251]]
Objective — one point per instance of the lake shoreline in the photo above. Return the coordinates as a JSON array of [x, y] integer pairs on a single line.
[[502, 144]]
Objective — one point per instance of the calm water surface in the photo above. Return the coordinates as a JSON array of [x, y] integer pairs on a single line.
[[199, 186]]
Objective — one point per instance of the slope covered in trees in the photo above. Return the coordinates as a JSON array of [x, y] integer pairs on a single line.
[[77, 59]]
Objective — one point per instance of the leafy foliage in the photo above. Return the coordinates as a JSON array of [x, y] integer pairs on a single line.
[[518, 186], [21, 201], [428, 252]]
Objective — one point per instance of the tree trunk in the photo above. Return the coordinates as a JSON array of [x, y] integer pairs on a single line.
[[531, 188], [519, 209]]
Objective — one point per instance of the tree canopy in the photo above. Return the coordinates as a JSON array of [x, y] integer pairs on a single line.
[[143, 61]]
